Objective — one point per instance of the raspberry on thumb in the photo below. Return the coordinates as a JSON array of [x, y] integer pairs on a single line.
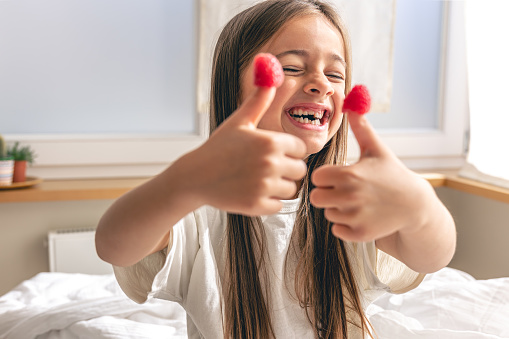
[[358, 100], [267, 71]]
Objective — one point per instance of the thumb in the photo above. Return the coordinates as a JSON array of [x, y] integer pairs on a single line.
[[254, 107], [267, 75], [369, 142]]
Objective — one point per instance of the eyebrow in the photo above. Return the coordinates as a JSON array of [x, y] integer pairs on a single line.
[[303, 53]]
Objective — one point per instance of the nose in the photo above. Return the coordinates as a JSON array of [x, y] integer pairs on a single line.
[[319, 85]]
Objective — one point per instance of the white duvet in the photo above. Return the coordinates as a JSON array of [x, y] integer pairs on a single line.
[[449, 304]]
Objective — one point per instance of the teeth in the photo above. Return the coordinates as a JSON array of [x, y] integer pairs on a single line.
[[299, 113], [318, 115], [307, 121]]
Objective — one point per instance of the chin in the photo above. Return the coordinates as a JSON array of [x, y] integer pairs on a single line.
[[312, 149]]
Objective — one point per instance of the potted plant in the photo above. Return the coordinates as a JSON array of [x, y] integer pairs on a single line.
[[6, 164], [22, 156]]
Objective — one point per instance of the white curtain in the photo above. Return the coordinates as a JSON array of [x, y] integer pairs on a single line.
[[371, 26], [487, 39]]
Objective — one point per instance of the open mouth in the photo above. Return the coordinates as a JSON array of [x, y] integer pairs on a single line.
[[307, 116]]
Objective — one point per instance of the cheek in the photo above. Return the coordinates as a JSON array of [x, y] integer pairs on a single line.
[[271, 120], [335, 124]]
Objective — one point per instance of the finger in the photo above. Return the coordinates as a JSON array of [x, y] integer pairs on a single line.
[[291, 145], [325, 175], [284, 189], [369, 142], [266, 206], [292, 169], [343, 215], [345, 178], [323, 197], [334, 198], [347, 233], [254, 107]]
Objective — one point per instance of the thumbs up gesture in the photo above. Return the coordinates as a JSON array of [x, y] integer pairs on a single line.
[[243, 169], [373, 198]]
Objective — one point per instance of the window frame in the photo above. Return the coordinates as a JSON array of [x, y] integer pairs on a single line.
[[133, 155], [443, 147]]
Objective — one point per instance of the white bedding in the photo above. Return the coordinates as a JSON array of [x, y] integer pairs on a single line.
[[449, 304]]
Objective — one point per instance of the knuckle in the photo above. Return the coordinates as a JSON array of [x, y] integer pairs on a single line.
[[269, 163], [302, 171], [262, 188], [268, 144], [290, 190], [351, 175]]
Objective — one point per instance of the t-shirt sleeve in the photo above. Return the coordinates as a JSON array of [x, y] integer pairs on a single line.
[[148, 276], [395, 274], [378, 272]]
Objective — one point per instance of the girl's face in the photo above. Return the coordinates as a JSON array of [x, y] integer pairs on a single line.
[[308, 103]]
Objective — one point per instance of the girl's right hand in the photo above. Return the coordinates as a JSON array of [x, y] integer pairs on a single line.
[[243, 169]]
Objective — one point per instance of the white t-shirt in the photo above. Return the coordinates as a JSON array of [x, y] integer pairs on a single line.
[[190, 271]]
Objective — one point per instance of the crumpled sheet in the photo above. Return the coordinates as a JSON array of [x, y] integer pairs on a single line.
[[69, 306], [449, 304]]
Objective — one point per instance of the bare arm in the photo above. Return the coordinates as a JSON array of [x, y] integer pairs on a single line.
[[240, 169], [139, 223], [428, 243], [379, 199]]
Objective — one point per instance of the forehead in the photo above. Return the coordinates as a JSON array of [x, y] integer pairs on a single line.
[[312, 32]]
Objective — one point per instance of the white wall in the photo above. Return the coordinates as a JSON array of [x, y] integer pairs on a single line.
[[483, 233], [483, 230], [23, 230]]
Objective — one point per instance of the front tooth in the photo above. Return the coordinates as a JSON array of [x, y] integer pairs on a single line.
[[306, 121]]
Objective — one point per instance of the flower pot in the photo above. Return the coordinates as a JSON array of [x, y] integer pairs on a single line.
[[20, 169], [6, 171]]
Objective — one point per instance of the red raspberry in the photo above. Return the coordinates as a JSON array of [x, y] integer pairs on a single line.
[[358, 100], [267, 71]]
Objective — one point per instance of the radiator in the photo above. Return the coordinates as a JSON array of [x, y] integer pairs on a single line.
[[73, 251]]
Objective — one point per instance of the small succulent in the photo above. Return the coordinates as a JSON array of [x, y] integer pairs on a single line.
[[21, 153]]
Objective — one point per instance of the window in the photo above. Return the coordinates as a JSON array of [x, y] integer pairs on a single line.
[[93, 88], [429, 44]]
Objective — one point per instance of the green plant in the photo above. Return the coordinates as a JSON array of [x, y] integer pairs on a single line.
[[21, 153], [3, 149]]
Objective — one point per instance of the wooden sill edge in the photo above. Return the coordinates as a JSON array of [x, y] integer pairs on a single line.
[[100, 189]]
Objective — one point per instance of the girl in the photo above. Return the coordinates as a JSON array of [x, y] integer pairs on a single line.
[[262, 232]]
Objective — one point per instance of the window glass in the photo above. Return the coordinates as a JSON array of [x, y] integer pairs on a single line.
[[95, 66], [417, 52]]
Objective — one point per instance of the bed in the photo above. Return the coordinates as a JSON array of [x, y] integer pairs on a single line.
[[449, 304]]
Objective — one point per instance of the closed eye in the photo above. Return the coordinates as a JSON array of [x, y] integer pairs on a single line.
[[291, 70], [336, 76]]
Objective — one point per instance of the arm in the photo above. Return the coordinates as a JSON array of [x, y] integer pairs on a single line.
[[428, 243], [239, 169], [138, 223], [379, 199]]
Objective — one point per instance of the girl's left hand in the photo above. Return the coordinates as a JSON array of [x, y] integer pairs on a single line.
[[374, 198]]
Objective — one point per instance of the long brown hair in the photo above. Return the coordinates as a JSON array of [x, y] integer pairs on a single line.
[[324, 281]]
